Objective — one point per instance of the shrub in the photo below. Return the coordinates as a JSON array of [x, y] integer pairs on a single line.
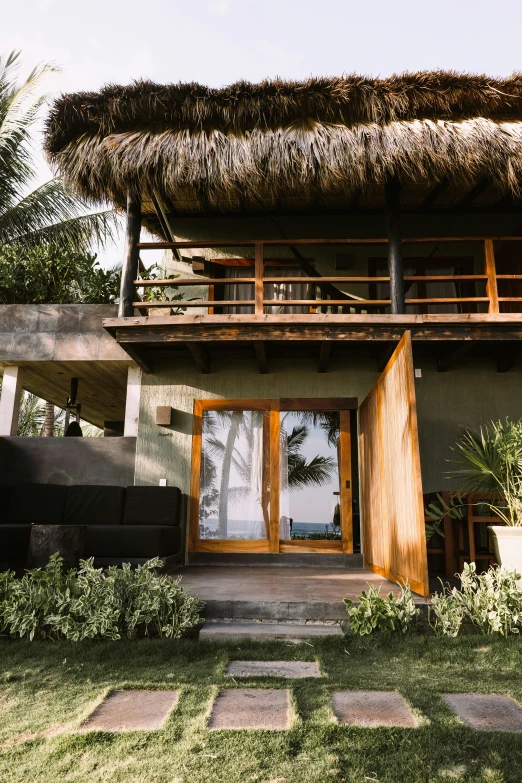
[[90, 603], [52, 275], [492, 602], [375, 613]]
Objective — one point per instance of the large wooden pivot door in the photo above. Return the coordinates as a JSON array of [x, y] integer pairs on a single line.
[[394, 537], [272, 475]]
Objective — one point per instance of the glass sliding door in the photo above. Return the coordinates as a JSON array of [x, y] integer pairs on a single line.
[[271, 476], [233, 503], [310, 486]]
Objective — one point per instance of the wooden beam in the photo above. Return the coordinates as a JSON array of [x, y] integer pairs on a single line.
[[259, 286], [491, 272], [474, 193], [448, 358], [506, 358], [201, 357], [434, 194], [129, 271], [139, 354], [261, 357], [324, 356], [392, 190], [385, 356]]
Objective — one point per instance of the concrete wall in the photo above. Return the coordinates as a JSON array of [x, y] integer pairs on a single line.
[[67, 461], [469, 396]]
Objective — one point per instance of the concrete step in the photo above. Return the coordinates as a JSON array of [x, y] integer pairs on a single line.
[[266, 632], [307, 560], [279, 611]]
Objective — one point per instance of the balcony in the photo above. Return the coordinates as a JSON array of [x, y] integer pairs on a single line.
[[306, 297]]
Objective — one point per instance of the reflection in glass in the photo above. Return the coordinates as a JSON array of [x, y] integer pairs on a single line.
[[234, 463], [309, 500]]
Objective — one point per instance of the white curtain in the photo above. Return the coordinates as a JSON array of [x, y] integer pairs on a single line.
[[276, 291]]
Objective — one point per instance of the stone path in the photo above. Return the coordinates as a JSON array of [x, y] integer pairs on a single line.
[[290, 670], [486, 711], [132, 711], [269, 708], [372, 708], [251, 708]]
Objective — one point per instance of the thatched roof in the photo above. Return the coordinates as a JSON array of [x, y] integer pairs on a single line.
[[293, 144]]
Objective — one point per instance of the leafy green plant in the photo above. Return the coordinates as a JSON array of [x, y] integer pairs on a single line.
[[164, 294], [437, 511], [90, 603], [53, 275], [491, 461], [375, 613], [491, 601]]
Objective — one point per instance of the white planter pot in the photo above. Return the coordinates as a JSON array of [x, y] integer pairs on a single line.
[[508, 546]]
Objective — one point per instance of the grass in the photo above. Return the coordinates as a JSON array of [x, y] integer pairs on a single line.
[[47, 689]]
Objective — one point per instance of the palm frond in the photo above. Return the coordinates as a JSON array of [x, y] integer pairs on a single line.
[[318, 471]]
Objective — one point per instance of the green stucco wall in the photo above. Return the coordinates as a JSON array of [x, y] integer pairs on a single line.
[[469, 395]]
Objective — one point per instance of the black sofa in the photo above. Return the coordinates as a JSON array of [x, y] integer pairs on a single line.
[[130, 524]]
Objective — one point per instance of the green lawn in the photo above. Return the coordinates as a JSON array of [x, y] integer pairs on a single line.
[[47, 689]]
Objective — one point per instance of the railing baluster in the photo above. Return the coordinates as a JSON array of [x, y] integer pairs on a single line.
[[259, 283], [491, 272]]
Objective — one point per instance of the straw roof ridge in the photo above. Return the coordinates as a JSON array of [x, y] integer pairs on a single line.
[[243, 106], [198, 147]]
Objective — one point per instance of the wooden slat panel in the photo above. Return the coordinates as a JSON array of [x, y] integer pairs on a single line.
[[489, 269], [311, 547], [392, 502]]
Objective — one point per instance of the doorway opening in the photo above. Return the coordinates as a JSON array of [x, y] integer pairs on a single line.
[[275, 476]]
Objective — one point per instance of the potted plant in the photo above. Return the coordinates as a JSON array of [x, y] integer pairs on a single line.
[[491, 462], [165, 294]]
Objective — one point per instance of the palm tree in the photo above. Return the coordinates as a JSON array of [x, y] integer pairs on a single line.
[[49, 214]]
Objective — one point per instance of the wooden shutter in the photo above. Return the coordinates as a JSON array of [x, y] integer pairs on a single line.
[[394, 537]]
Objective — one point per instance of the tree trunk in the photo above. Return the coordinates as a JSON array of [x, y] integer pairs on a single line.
[[225, 473], [49, 420]]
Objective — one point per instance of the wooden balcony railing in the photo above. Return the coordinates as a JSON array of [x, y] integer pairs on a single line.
[[325, 294]]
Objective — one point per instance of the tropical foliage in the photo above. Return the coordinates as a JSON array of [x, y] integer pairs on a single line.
[[89, 603], [491, 461], [492, 602], [50, 274], [49, 214], [373, 612]]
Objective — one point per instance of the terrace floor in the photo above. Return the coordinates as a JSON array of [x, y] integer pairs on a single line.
[[280, 584]]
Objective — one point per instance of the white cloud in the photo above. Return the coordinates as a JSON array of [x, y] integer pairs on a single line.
[[219, 7]]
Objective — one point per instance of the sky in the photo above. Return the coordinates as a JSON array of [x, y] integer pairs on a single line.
[[218, 42]]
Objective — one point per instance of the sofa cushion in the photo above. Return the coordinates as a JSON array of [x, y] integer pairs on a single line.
[[5, 492], [94, 505], [41, 504], [152, 506], [14, 543], [132, 541]]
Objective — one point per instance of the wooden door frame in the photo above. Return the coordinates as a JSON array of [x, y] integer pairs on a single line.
[[273, 544]]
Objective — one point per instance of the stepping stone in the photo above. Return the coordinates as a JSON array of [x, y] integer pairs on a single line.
[[290, 670], [486, 711], [251, 708], [372, 708], [132, 711]]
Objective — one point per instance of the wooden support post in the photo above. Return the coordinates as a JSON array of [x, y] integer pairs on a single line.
[[132, 402], [324, 356], [259, 285], [491, 272], [129, 271], [261, 357], [201, 357], [10, 400], [392, 210]]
